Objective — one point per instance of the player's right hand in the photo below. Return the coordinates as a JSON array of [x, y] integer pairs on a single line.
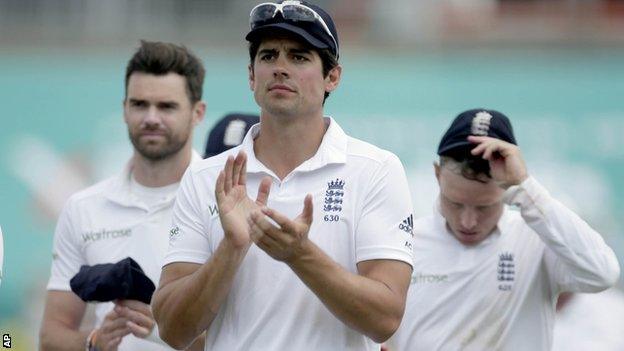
[[506, 164], [139, 315], [111, 332], [234, 204]]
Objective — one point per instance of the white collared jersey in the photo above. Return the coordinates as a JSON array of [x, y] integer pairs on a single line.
[[106, 223], [500, 294], [591, 322], [362, 211]]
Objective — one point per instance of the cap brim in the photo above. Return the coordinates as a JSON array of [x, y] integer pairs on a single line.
[[261, 31], [455, 146]]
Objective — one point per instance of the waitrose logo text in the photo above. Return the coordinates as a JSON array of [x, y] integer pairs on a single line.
[[106, 234]]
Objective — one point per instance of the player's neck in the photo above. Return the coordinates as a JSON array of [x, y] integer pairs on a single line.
[[283, 145], [164, 172]]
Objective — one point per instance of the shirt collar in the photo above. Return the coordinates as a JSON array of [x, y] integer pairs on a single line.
[[333, 149], [120, 191]]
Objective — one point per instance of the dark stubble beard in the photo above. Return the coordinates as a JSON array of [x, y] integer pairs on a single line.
[[173, 144]]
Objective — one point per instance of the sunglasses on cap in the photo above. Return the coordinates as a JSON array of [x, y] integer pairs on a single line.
[[291, 10]]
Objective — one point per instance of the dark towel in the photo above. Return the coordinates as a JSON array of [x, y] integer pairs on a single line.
[[111, 281]]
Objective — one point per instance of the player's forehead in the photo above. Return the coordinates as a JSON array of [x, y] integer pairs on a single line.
[[147, 86], [458, 189]]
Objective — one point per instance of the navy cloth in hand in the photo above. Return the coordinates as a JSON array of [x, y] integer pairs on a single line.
[[112, 281]]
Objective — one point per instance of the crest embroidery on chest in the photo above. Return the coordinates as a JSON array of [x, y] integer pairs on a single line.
[[506, 271], [334, 195]]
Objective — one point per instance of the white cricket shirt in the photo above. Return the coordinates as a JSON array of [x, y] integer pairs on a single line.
[[591, 322], [108, 222], [501, 293], [362, 211]]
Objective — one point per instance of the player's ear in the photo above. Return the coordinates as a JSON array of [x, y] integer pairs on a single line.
[[333, 79], [250, 69], [124, 105], [436, 169], [199, 111]]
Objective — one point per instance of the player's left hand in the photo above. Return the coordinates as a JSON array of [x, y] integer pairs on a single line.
[[286, 241], [506, 164], [139, 315]]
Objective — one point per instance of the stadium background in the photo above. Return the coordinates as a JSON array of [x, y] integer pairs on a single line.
[[553, 66]]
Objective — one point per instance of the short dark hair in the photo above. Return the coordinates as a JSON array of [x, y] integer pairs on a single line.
[[467, 165], [160, 58], [328, 60]]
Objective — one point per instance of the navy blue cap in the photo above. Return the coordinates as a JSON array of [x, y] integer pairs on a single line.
[[113, 281], [312, 32], [480, 122], [229, 132]]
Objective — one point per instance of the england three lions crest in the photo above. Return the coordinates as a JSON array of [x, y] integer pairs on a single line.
[[506, 271], [334, 196], [481, 123]]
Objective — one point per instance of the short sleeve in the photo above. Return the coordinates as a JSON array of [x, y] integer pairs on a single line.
[[385, 226], [67, 254], [188, 237]]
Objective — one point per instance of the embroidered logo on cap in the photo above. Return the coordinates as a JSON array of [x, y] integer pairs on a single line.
[[234, 133], [481, 123]]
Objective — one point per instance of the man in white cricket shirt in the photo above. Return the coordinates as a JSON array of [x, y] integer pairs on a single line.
[[321, 259], [130, 214], [487, 277]]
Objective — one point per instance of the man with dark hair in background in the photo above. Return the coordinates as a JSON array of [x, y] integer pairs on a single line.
[[487, 277], [130, 214], [322, 261]]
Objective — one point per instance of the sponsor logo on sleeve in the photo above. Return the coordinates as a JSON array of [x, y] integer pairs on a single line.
[[174, 232], [408, 245], [408, 225]]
